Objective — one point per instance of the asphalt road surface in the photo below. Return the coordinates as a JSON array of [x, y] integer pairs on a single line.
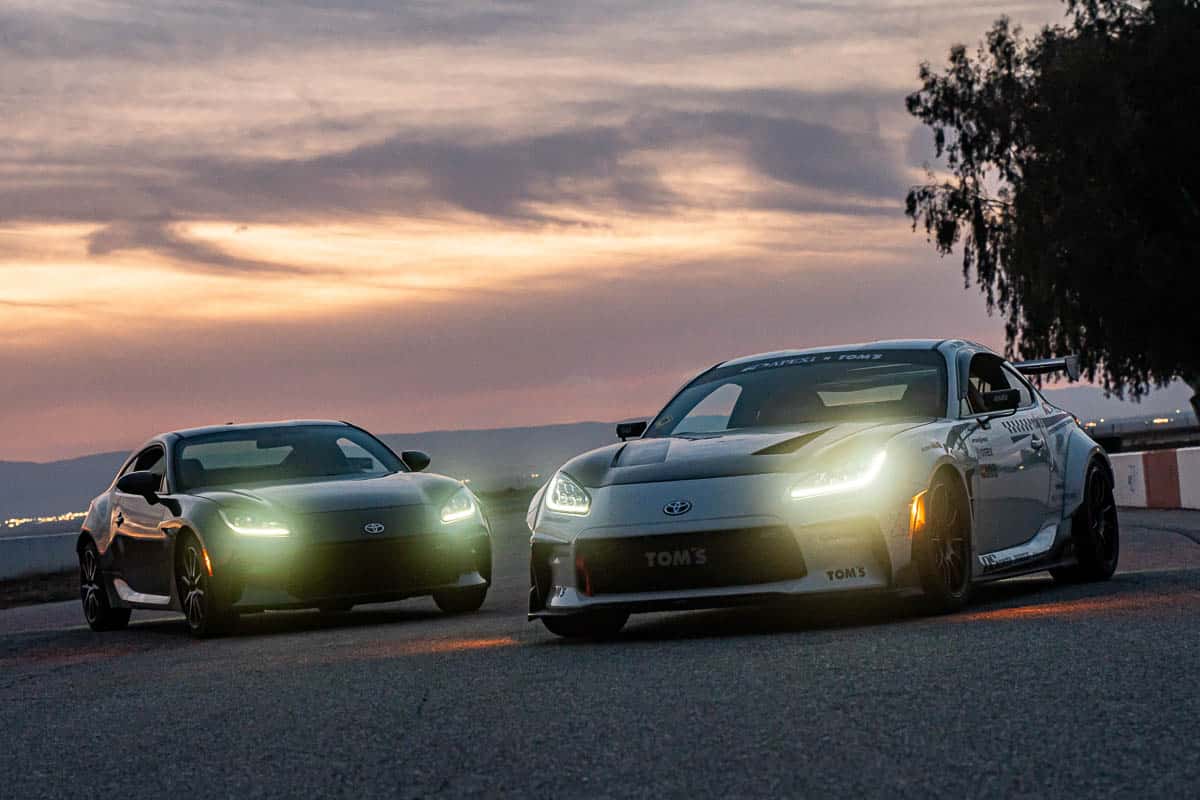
[[1037, 690]]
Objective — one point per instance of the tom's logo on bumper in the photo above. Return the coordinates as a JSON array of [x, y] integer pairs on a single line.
[[846, 574], [373, 528], [677, 507], [686, 557]]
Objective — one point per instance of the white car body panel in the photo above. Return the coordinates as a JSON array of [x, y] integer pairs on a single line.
[[1023, 473]]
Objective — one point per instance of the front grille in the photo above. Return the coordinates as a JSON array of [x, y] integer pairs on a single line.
[[381, 566], [697, 560]]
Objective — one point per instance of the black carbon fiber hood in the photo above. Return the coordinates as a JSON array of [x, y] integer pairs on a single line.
[[694, 456]]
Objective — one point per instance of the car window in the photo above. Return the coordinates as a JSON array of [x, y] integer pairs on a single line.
[[989, 373], [833, 386], [712, 413], [1015, 381], [280, 454], [359, 458], [152, 459]]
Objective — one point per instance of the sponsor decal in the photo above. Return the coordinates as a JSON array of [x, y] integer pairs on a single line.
[[846, 574], [685, 557], [820, 358], [374, 528]]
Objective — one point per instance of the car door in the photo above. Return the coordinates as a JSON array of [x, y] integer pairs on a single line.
[[143, 548], [1012, 477]]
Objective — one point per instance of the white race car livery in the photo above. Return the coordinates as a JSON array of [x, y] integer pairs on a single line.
[[906, 466]]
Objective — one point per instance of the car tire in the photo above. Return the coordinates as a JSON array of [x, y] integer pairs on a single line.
[[206, 615], [587, 625], [97, 610], [461, 601], [1095, 532], [944, 549]]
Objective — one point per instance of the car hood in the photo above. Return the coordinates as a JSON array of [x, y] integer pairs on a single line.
[[691, 456], [342, 494]]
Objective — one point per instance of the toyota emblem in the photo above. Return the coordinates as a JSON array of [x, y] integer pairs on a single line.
[[373, 528], [677, 507]]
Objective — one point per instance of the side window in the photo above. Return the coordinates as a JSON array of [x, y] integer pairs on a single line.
[[1015, 381], [129, 465], [152, 459], [986, 375], [713, 412]]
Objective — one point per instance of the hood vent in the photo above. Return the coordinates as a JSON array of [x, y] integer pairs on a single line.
[[790, 445]]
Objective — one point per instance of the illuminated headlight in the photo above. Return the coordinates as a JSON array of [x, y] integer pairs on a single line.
[[253, 523], [566, 496], [459, 507], [854, 474]]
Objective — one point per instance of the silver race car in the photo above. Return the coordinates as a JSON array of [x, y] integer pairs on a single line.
[[922, 466]]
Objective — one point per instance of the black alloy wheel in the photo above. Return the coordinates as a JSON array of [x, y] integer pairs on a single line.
[[1095, 532], [944, 547], [198, 601], [100, 615]]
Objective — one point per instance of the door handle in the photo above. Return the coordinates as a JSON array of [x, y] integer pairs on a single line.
[[1036, 443]]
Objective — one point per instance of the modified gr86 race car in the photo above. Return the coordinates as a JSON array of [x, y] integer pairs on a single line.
[[925, 466]]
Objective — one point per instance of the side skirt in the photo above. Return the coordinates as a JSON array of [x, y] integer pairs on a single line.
[[1043, 551], [135, 598]]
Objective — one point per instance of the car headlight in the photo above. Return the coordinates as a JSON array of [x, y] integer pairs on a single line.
[[856, 473], [253, 523], [459, 507], [566, 496]]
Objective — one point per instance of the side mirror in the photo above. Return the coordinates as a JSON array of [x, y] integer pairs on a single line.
[[142, 484], [1002, 400], [415, 460], [631, 430]]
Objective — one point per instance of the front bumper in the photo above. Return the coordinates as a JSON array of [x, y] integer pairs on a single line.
[[287, 574], [831, 545]]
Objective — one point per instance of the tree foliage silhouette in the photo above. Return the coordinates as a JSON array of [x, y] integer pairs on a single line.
[[1070, 179]]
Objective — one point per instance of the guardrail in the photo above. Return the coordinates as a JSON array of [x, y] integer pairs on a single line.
[[23, 556]]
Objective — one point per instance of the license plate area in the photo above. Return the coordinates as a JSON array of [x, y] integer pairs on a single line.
[[696, 560]]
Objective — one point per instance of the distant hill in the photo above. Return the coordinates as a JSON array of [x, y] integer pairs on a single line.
[[491, 459], [29, 489]]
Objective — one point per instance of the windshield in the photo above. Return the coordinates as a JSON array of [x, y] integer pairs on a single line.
[[853, 385], [280, 454]]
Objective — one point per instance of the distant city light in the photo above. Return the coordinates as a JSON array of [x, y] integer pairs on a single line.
[[16, 522]]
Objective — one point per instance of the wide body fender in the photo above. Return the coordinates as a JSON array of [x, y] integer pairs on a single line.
[[1078, 451]]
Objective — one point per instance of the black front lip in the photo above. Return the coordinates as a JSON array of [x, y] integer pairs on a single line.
[[365, 570], [757, 599]]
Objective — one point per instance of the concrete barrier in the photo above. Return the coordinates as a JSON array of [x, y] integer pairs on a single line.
[[1129, 483], [1158, 478], [1189, 477], [22, 556]]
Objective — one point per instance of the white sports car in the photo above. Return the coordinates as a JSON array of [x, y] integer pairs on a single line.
[[906, 466]]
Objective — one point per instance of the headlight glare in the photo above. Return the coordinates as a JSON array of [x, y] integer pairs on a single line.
[[846, 477], [459, 507], [253, 523], [566, 496]]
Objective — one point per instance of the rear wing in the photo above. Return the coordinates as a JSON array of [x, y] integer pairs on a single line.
[[1044, 366]]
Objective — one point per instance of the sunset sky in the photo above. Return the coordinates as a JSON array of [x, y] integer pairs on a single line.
[[448, 214]]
